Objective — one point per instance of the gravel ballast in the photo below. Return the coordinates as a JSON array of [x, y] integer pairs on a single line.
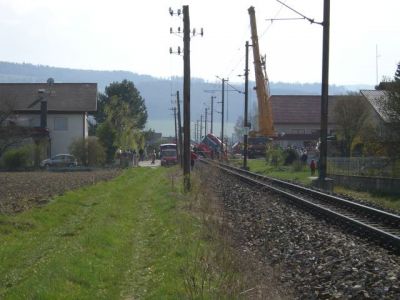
[[316, 259]]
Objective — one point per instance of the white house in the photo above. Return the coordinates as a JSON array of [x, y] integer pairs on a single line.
[[68, 105]]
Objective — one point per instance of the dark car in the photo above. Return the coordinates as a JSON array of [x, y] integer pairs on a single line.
[[60, 160]]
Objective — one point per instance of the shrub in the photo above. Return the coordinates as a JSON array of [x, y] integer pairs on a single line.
[[88, 152], [107, 136], [274, 156], [96, 152], [298, 166], [290, 155], [79, 150], [15, 159]]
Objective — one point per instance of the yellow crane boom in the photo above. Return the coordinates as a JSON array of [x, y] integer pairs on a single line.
[[265, 120]]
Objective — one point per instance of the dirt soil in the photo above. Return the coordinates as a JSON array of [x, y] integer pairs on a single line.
[[20, 191]]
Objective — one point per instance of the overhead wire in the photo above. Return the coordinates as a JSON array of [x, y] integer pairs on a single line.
[[259, 37]]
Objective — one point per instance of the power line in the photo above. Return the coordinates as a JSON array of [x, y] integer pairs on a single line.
[[259, 38], [300, 14]]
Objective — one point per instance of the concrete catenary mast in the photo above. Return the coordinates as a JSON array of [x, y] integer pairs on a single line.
[[265, 121]]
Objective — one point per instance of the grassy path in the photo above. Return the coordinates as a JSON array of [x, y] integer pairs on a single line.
[[118, 239]]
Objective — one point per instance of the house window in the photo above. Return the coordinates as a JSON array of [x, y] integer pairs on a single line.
[[60, 124], [298, 131]]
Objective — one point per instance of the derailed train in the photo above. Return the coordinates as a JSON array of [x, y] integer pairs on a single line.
[[211, 147]]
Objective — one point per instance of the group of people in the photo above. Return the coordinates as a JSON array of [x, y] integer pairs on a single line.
[[130, 157], [133, 157]]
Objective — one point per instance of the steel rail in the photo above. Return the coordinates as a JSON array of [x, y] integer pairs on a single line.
[[386, 217], [356, 215]]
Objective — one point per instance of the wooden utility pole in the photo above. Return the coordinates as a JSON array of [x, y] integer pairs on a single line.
[[246, 101], [324, 93], [197, 131], [212, 114], [222, 115], [180, 141], [205, 121], [176, 132], [186, 99], [201, 126]]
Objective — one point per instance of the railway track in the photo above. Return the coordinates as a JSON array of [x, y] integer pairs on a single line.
[[372, 223]]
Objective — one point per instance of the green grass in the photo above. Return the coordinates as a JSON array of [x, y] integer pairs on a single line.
[[117, 239], [281, 172]]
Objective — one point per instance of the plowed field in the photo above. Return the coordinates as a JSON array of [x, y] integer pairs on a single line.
[[22, 190]]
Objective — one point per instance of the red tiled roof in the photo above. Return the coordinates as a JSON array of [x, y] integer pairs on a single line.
[[299, 109]]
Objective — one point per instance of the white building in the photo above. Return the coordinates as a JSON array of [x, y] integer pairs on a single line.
[[68, 105]]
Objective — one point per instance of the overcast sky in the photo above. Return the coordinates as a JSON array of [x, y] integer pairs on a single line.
[[134, 36]]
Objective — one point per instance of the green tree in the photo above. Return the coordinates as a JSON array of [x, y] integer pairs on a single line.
[[121, 116], [350, 113], [239, 129], [127, 93]]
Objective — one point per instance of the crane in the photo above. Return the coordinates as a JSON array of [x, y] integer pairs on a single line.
[[265, 120]]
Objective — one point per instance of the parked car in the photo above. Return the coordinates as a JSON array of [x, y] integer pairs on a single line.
[[60, 160]]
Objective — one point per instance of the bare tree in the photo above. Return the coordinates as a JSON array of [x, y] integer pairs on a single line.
[[390, 107], [351, 113], [10, 133]]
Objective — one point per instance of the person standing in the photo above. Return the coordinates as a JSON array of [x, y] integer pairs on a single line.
[[153, 157], [141, 154], [135, 158], [312, 167], [193, 157]]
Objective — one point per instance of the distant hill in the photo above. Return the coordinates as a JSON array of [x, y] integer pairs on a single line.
[[157, 91]]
